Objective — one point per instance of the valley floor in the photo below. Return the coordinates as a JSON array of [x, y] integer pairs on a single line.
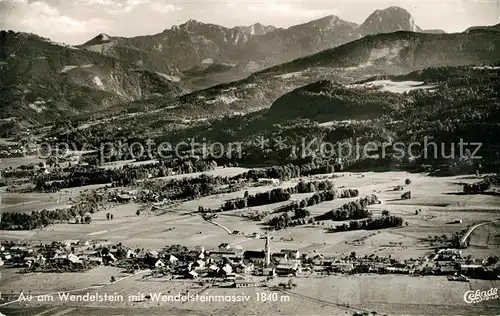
[[437, 199]]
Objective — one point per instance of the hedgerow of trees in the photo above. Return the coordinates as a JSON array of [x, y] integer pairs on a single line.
[[370, 224]]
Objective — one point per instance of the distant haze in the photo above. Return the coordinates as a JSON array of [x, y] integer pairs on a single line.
[[76, 21]]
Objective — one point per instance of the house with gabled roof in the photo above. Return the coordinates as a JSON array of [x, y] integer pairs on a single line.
[[292, 254], [172, 259], [192, 275], [159, 264]]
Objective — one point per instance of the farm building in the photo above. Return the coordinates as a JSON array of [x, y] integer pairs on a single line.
[[279, 256], [287, 269], [198, 264], [269, 272], [244, 268], [221, 253], [455, 252], [291, 254], [470, 266], [246, 283], [192, 275], [226, 270], [254, 255], [159, 264], [342, 267], [266, 181]]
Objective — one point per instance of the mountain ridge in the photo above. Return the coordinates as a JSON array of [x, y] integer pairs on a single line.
[[253, 47], [381, 54], [108, 70], [42, 80]]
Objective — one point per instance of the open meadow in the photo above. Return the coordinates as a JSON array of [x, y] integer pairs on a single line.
[[28, 202]]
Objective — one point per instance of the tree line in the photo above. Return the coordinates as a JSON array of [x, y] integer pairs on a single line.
[[351, 210], [316, 198], [370, 224], [289, 171], [478, 187], [284, 194], [186, 188], [127, 175], [259, 199], [39, 219]]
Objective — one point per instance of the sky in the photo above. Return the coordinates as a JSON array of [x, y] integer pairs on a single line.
[[76, 21]]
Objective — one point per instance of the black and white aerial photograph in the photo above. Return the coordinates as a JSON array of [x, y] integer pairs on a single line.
[[249, 157]]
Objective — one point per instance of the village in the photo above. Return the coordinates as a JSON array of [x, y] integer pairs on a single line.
[[226, 266]]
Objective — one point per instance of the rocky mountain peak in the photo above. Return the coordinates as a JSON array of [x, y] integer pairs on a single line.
[[256, 29], [193, 25], [99, 39], [331, 23], [388, 20]]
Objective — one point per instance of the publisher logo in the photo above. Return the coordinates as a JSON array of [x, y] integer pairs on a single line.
[[474, 297]]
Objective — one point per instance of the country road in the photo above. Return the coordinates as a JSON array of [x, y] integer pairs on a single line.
[[221, 226], [463, 241]]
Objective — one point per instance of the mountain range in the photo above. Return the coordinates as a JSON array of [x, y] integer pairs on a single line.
[[246, 49], [219, 70], [381, 54]]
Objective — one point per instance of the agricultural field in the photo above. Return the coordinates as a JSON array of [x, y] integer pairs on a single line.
[[7, 163], [486, 236], [333, 295], [28, 202], [178, 224]]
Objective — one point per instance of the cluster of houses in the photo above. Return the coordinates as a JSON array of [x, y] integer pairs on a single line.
[[71, 255], [453, 262], [223, 263], [15, 150], [232, 265], [448, 262]]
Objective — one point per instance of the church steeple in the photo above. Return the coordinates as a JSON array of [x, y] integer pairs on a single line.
[[268, 250]]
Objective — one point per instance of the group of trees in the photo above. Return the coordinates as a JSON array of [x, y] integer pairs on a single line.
[[300, 214], [281, 221], [477, 188], [269, 197], [351, 210], [318, 197], [263, 198], [79, 212], [297, 169], [328, 193], [90, 203], [40, 219], [180, 252], [313, 186], [127, 175], [186, 188], [87, 219], [406, 195], [370, 224], [284, 194], [349, 193]]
